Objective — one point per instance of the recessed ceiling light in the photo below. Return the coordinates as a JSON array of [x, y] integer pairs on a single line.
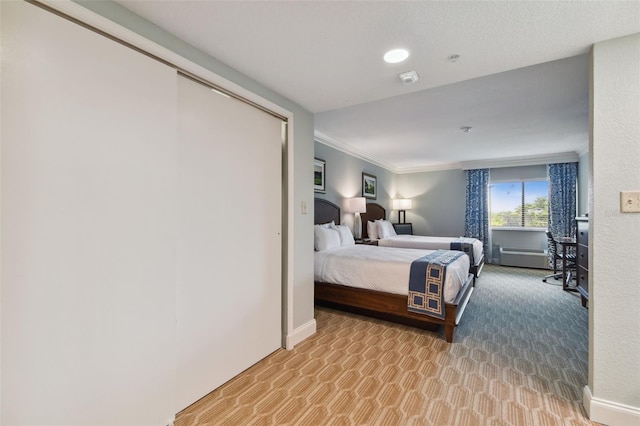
[[396, 55]]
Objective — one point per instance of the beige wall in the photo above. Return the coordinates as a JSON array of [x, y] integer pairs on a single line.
[[614, 312]]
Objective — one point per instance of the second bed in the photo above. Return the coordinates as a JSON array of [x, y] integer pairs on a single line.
[[472, 246]]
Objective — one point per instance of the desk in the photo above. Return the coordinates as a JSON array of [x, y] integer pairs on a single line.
[[566, 274]]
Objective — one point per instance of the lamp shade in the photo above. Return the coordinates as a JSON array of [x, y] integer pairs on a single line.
[[402, 204], [356, 205]]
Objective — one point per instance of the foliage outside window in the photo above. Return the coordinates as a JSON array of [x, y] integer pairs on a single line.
[[520, 204]]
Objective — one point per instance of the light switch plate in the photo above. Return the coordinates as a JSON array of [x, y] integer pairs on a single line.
[[630, 201]]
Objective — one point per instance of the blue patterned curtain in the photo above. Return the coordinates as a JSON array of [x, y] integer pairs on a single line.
[[562, 200], [476, 220]]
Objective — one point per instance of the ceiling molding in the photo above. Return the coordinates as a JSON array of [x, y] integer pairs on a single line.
[[532, 160], [582, 151], [433, 168], [562, 157], [347, 149]]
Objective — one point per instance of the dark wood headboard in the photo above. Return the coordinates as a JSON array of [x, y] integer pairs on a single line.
[[325, 211], [374, 212]]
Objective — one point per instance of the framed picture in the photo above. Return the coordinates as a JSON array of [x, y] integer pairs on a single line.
[[369, 186], [318, 175]]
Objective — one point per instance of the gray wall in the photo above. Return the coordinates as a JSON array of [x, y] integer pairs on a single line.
[[438, 202], [302, 241], [438, 197], [343, 179], [583, 184]]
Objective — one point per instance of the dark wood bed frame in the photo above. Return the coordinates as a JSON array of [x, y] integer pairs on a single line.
[[378, 304], [376, 211]]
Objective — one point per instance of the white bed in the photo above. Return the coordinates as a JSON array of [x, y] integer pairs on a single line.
[[382, 269], [376, 213], [424, 242], [374, 281]]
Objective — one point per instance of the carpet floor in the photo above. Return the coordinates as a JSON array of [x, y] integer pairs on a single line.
[[519, 357]]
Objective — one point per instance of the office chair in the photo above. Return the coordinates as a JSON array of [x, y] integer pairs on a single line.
[[557, 257]]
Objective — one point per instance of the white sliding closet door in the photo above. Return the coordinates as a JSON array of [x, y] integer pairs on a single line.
[[88, 227], [229, 242]]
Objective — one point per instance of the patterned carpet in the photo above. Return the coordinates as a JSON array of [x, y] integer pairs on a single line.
[[519, 357]]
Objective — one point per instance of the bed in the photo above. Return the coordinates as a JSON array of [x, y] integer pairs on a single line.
[[472, 246], [376, 267]]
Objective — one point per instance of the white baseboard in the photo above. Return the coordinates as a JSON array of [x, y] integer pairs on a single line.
[[300, 334], [609, 413]]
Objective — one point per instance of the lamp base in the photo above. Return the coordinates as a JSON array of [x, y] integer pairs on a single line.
[[357, 226]]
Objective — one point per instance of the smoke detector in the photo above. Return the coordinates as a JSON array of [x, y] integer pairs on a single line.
[[409, 77]]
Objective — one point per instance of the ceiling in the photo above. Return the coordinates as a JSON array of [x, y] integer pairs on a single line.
[[521, 81]]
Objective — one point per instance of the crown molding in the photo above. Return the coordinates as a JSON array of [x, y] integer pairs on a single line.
[[348, 149], [582, 151], [433, 168], [531, 160], [354, 152]]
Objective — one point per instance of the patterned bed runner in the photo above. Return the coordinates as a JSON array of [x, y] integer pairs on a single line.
[[426, 283], [465, 245]]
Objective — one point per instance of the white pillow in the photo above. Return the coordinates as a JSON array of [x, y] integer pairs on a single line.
[[346, 238], [381, 229], [388, 229], [372, 230], [385, 229], [326, 238], [327, 225]]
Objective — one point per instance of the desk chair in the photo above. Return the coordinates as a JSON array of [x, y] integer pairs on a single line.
[[557, 259]]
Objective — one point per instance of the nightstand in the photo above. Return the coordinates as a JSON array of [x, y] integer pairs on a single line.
[[403, 228], [367, 242]]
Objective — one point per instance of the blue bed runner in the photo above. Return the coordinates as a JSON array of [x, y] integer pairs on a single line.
[[426, 282], [465, 245]]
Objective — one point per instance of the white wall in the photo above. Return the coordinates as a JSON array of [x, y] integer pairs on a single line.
[[614, 311]]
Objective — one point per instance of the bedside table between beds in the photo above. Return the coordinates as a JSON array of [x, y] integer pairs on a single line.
[[403, 228], [367, 242]]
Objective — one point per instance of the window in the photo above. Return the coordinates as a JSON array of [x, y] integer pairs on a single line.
[[520, 204]]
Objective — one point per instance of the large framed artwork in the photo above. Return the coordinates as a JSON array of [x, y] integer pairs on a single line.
[[369, 186], [318, 175]]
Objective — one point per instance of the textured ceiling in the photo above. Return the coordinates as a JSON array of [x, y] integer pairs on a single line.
[[326, 56]]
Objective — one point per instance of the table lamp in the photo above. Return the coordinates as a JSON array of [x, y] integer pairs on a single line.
[[357, 205], [402, 205]]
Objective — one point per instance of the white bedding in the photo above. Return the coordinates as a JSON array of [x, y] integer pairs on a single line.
[[427, 243], [381, 268]]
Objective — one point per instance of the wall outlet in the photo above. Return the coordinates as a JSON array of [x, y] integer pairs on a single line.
[[630, 201]]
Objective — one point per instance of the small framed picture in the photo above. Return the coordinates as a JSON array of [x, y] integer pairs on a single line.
[[318, 175], [369, 186]]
